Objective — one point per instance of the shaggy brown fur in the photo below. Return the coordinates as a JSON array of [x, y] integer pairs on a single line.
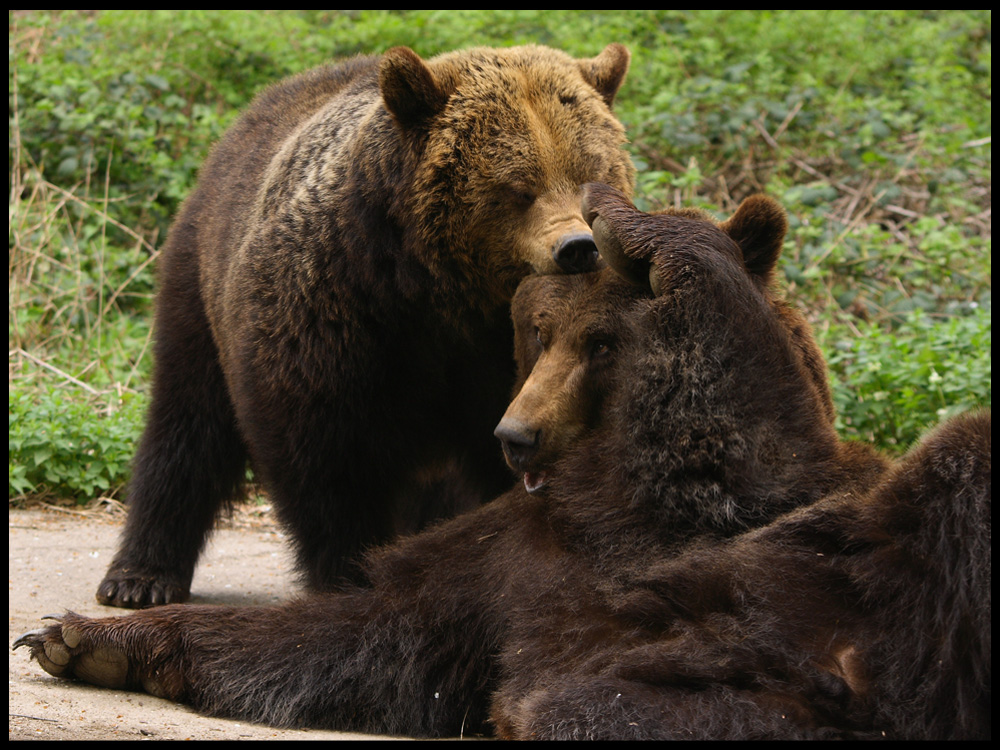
[[705, 561], [333, 299]]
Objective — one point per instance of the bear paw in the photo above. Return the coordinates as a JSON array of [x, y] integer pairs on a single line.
[[131, 589], [62, 651], [80, 648]]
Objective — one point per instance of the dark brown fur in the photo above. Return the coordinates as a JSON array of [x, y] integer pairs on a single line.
[[333, 299], [706, 561]]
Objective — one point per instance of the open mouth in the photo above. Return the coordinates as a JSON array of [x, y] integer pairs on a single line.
[[535, 481]]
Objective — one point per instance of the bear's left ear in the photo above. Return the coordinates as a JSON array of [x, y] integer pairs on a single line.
[[607, 71], [409, 90], [607, 210], [758, 227]]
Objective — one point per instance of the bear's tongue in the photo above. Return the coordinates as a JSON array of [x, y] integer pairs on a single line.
[[534, 481]]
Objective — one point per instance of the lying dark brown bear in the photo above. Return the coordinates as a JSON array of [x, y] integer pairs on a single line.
[[693, 553]]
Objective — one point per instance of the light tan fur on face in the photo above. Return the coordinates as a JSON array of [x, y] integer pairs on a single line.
[[554, 215], [569, 331], [552, 401], [522, 131]]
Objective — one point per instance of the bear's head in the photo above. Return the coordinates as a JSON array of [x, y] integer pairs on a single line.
[[570, 333], [504, 140], [679, 376]]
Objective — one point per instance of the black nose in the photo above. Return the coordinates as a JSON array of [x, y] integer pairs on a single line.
[[520, 442], [576, 253]]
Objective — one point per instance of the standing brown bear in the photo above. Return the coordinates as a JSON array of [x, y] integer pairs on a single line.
[[694, 554], [333, 299]]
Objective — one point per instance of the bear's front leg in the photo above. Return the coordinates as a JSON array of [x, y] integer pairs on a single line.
[[358, 661], [132, 653]]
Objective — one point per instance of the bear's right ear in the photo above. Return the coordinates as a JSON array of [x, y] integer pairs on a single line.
[[409, 90], [607, 71]]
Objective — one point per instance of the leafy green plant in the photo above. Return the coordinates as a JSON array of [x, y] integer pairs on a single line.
[[64, 446], [890, 386], [872, 127]]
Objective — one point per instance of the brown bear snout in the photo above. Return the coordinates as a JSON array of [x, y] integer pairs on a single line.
[[520, 442], [576, 253]]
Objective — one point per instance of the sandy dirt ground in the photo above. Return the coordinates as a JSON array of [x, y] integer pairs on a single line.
[[56, 560]]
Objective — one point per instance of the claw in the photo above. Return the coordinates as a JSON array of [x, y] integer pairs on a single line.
[[25, 639]]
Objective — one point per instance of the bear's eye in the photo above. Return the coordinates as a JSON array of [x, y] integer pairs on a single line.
[[520, 195], [538, 337], [601, 349]]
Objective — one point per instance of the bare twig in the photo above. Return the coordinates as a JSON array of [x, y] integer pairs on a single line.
[[42, 363], [131, 277], [103, 214], [788, 120], [978, 142], [765, 135]]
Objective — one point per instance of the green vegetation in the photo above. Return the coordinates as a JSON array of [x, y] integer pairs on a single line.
[[873, 127]]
